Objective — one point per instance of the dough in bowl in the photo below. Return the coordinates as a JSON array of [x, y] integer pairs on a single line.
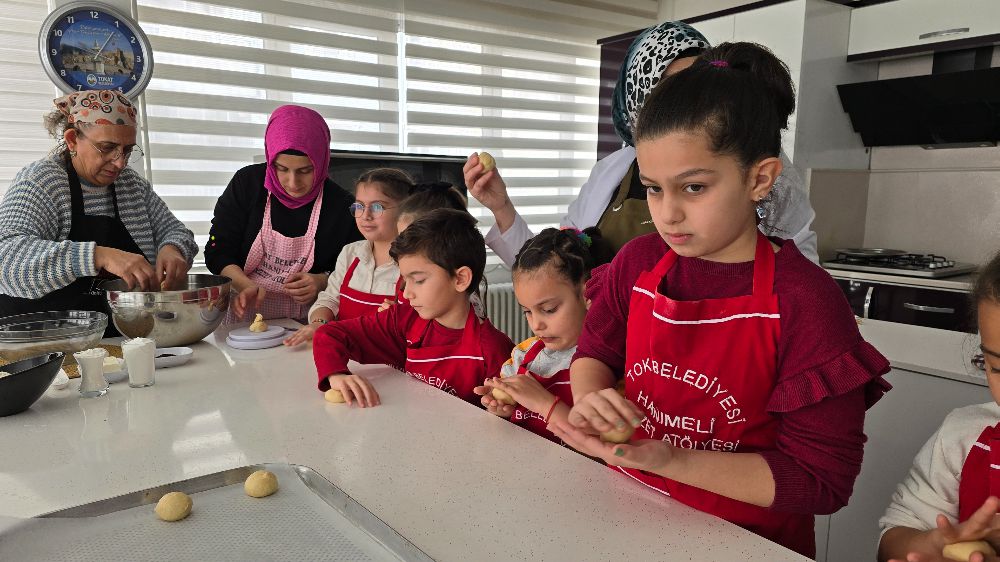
[[174, 506], [261, 484]]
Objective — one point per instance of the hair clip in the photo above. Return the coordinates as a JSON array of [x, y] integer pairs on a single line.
[[583, 236], [719, 63]]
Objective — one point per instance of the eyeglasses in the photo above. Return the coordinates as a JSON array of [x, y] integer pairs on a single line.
[[357, 210], [111, 155]]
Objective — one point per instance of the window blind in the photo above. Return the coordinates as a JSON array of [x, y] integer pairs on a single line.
[[518, 78], [26, 93]]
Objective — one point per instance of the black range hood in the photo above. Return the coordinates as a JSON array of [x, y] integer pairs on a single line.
[[952, 109]]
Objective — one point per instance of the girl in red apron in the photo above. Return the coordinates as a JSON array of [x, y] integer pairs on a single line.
[[745, 377], [950, 495], [365, 276], [550, 274], [436, 336]]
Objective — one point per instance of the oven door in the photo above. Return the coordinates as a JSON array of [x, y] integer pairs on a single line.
[[933, 308]]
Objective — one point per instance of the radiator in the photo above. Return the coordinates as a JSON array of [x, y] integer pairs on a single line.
[[503, 310]]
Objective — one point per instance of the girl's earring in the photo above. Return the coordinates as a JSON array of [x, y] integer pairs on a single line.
[[72, 154], [761, 211]]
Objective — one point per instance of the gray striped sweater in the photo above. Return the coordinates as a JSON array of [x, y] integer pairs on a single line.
[[35, 216]]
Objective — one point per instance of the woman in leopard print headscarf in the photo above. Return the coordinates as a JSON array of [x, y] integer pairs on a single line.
[[613, 198]]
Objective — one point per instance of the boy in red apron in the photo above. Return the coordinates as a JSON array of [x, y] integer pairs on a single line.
[[950, 495], [550, 274], [365, 275], [744, 373], [435, 336]]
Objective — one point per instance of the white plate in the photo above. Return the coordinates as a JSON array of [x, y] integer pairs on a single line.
[[256, 344], [244, 334], [180, 356]]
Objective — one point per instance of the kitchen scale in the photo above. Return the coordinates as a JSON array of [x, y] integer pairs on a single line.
[[243, 338]]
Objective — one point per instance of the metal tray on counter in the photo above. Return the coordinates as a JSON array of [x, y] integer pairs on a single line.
[[309, 518]]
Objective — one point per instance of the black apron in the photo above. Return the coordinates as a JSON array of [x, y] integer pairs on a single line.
[[627, 215], [85, 293]]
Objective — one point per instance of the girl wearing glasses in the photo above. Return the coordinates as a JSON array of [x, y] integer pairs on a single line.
[[82, 214], [365, 275], [280, 225]]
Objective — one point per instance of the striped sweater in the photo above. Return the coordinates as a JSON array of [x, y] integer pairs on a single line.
[[35, 220]]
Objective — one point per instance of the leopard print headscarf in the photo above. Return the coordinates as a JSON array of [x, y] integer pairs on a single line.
[[647, 58]]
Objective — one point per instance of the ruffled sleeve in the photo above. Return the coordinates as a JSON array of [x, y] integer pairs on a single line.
[[860, 366]]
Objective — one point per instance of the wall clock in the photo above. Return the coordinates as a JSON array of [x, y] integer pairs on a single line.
[[93, 46]]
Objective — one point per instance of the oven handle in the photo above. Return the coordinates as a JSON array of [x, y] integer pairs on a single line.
[[925, 308], [868, 302]]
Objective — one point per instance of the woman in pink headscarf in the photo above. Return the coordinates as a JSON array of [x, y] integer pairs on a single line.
[[280, 225]]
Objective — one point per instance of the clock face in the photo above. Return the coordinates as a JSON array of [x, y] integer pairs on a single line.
[[88, 46]]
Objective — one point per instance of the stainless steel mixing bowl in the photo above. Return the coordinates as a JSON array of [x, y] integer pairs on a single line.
[[170, 318]]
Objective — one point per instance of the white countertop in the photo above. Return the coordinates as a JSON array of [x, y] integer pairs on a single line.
[[456, 481], [942, 353]]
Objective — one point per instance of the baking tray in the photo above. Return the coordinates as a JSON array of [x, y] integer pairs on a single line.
[[307, 519]]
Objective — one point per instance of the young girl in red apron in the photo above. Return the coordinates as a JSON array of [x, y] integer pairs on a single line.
[[550, 274], [745, 377], [956, 476], [365, 276], [436, 336]]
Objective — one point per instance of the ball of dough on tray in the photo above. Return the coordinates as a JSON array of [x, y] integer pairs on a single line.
[[174, 506], [261, 484]]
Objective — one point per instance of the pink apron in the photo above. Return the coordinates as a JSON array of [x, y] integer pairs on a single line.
[[272, 259]]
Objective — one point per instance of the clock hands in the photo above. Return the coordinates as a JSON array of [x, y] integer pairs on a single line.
[[99, 51]]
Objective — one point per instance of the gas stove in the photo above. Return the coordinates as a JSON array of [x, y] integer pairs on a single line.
[[897, 262]]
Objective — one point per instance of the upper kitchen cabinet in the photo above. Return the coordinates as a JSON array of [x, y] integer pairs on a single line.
[[811, 36], [912, 27]]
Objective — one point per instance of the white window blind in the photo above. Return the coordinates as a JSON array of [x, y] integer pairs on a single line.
[[515, 77], [26, 93]]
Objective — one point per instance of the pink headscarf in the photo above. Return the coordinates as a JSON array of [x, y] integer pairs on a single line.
[[293, 127]]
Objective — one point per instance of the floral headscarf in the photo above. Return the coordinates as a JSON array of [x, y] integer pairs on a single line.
[[96, 107]]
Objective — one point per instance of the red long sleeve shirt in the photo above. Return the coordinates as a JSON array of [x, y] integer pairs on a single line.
[[827, 374], [381, 338]]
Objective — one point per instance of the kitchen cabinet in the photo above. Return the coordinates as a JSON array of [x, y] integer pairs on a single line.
[[911, 27], [897, 426], [811, 37]]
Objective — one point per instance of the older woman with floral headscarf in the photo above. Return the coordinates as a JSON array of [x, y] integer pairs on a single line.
[[82, 214], [280, 225], [613, 198]]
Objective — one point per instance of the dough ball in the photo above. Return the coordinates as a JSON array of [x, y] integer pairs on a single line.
[[334, 395], [961, 551], [174, 506], [261, 484], [487, 160], [618, 435], [503, 397], [258, 324]]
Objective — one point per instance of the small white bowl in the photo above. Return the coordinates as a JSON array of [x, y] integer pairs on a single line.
[[177, 356]]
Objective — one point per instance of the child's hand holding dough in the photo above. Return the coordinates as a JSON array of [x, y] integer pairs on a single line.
[[352, 388]]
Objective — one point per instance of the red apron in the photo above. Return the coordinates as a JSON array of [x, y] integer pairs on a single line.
[[456, 368], [354, 303], [273, 258], [703, 372], [557, 384], [980, 473]]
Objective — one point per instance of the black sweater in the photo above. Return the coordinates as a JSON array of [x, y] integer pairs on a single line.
[[239, 214]]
